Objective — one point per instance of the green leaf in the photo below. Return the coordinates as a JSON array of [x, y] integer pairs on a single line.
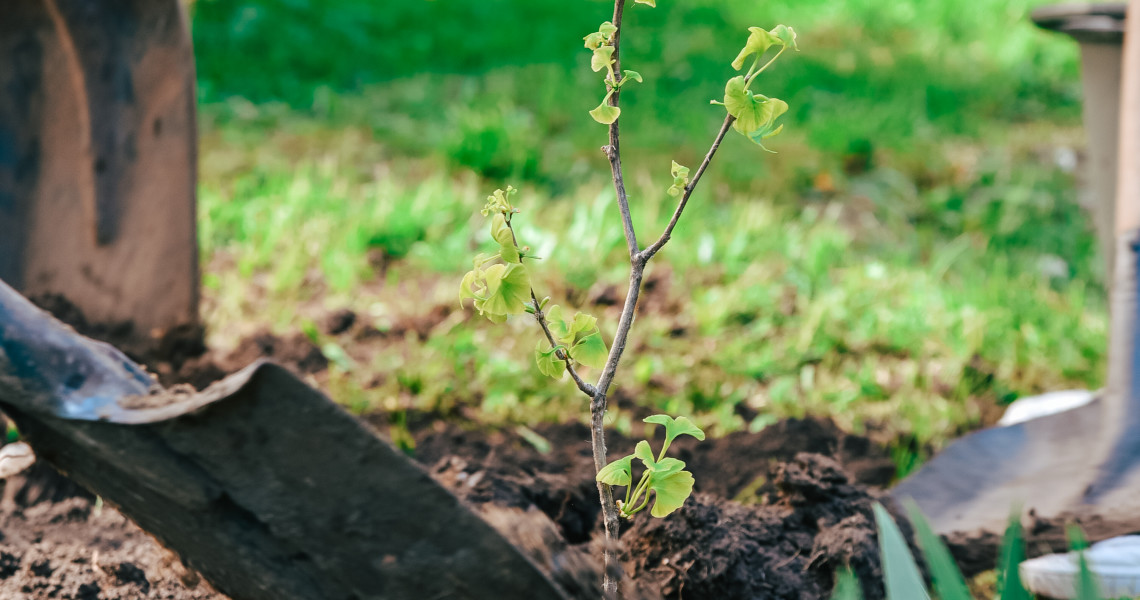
[[671, 489], [758, 42], [786, 35], [755, 113], [508, 289], [467, 287], [590, 351], [547, 359], [1087, 588], [847, 586], [500, 231], [680, 179], [652, 3], [668, 465], [676, 427], [617, 473], [900, 573], [603, 56], [644, 453], [594, 40], [605, 114], [607, 29], [557, 325], [948, 581], [634, 75], [584, 323], [1012, 554]]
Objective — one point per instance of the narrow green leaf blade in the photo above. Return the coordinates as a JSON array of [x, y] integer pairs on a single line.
[[948, 581], [847, 587], [631, 75], [900, 573], [1087, 588], [1011, 557]]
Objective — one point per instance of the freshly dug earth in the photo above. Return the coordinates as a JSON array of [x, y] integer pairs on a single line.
[[775, 514], [60, 543]]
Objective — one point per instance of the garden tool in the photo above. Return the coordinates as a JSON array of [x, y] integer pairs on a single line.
[[1081, 465], [266, 487], [97, 158]]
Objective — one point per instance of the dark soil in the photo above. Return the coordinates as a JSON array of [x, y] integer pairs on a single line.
[[60, 543], [775, 513]]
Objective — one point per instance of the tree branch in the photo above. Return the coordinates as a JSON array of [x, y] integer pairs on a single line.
[[613, 149], [541, 318], [656, 246]]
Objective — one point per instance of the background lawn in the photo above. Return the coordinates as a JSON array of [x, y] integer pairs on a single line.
[[912, 258]]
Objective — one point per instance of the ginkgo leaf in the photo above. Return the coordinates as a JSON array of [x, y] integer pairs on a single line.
[[676, 427], [753, 112], [548, 362], [670, 489], [583, 323], [467, 286], [617, 473], [603, 55], [668, 465], [557, 325], [680, 179], [508, 289], [652, 3], [590, 350], [594, 40], [500, 231], [644, 453], [634, 75], [786, 35], [607, 29], [758, 43], [605, 114]]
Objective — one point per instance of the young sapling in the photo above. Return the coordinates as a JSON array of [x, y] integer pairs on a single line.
[[499, 285]]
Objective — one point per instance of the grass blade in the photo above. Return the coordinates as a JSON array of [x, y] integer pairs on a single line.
[[847, 587], [1012, 555], [900, 573], [1086, 583], [948, 581]]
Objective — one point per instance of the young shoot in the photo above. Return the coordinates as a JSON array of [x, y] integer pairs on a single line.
[[664, 476]]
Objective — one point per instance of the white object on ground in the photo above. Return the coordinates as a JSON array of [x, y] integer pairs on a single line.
[[15, 457], [1115, 564], [1044, 405]]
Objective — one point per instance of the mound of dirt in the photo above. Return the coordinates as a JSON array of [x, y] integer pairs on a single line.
[[810, 517]]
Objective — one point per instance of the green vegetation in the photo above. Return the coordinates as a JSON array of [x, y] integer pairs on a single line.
[[911, 258], [664, 476]]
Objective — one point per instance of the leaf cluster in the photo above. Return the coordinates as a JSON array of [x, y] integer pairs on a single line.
[[503, 288], [664, 476], [601, 43], [578, 339], [755, 114]]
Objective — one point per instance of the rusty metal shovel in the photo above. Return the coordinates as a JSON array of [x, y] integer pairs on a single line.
[[261, 483]]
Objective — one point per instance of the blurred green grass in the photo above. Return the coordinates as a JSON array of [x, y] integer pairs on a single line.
[[912, 258]]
